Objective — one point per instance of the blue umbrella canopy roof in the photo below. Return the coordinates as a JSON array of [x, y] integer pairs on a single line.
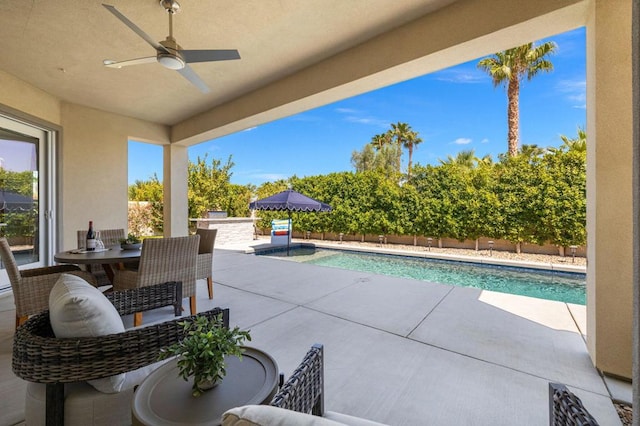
[[290, 200], [13, 202]]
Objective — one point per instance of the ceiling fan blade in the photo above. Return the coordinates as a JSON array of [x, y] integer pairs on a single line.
[[134, 27], [191, 56], [113, 64], [188, 73]]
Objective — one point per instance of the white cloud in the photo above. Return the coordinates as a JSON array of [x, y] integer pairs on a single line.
[[485, 140], [462, 141], [361, 117], [568, 86], [367, 120], [460, 76], [574, 91], [250, 129], [347, 111], [306, 118]]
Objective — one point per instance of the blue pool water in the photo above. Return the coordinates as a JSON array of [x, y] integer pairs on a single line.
[[560, 286]]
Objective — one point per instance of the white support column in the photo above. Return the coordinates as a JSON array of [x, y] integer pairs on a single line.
[[176, 209]]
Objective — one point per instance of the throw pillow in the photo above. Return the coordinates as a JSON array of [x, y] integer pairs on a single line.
[[77, 309]]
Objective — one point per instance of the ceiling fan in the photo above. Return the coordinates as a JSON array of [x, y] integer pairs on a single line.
[[168, 52]]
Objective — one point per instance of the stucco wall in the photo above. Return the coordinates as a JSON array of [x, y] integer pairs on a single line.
[[28, 99], [609, 192], [94, 173]]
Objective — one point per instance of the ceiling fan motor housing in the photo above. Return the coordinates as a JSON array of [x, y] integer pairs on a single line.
[[171, 58]]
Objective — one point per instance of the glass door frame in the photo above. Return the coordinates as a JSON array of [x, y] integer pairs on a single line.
[[47, 136]]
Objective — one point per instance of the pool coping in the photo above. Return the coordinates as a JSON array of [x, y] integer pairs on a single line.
[[442, 256]]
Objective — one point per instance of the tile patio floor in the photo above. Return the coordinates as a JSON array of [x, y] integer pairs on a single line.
[[398, 351]]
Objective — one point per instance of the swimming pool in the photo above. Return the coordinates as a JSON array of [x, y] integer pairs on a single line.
[[561, 286]]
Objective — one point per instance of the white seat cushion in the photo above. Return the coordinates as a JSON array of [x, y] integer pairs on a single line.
[[266, 415], [349, 420], [77, 309]]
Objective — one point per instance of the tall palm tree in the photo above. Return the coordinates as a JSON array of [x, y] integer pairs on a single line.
[[411, 142], [398, 134], [403, 135], [508, 68]]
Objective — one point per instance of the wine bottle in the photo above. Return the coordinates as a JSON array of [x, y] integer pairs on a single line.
[[91, 238]]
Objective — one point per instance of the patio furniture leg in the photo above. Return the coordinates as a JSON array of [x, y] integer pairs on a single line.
[[210, 286], [177, 304], [192, 305], [55, 404]]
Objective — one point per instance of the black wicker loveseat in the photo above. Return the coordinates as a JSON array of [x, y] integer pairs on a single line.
[[40, 357]]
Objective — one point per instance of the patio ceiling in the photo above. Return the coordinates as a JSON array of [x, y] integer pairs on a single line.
[[58, 46]]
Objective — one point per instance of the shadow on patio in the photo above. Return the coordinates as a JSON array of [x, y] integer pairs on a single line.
[[398, 351]]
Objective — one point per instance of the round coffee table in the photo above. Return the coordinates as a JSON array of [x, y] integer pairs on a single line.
[[164, 398]]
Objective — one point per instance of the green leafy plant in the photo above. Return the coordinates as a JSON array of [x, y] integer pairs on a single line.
[[131, 239], [202, 351]]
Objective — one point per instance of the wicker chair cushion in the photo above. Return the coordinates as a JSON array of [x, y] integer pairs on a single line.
[[265, 415], [77, 309]]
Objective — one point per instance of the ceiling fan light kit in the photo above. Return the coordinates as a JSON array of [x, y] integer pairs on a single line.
[[168, 52], [173, 62]]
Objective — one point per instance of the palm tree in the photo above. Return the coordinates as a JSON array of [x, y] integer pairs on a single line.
[[379, 141], [398, 134], [532, 151], [403, 135], [411, 142], [508, 68], [465, 158], [578, 144]]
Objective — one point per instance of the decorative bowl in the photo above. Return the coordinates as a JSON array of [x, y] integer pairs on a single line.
[[135, 246]]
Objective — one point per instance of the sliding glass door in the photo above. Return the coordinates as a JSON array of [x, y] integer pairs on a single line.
[[25, 192]]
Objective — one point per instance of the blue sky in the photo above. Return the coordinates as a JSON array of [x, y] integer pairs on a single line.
[[452, 110]]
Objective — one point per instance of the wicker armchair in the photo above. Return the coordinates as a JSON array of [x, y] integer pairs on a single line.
[[566, 409], [109, 237], [304, 392], [40, 357], [31, 287], [164, 259], [205, 256]]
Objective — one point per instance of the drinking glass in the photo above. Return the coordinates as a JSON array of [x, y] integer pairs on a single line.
[[99, 243]]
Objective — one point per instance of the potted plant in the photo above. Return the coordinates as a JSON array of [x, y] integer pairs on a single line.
[[201, 353], [132, 242]]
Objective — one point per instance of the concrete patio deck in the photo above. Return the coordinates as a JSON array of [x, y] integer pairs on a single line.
[[398, 351]]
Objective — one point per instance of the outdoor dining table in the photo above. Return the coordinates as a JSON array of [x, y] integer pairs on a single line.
[[106, 257]]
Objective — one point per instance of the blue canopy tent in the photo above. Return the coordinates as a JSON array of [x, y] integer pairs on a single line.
[[289, 201]]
